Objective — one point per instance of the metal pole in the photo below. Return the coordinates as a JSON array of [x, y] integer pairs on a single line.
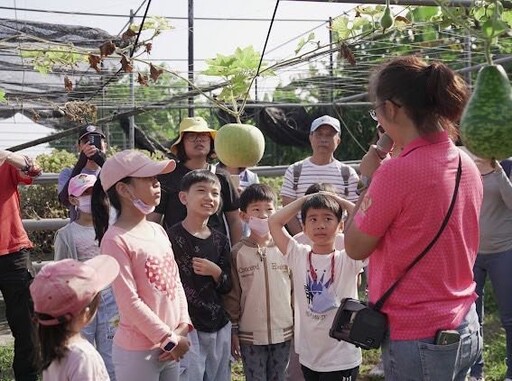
[[190, 55], [467, 57], [453, 3], [331, 62], [131, 119], [256, 89]]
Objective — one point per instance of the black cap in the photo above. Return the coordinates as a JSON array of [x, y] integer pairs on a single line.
[[88, 130]]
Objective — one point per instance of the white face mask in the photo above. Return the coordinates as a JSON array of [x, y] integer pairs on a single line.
[[84, 204], [259, 226]]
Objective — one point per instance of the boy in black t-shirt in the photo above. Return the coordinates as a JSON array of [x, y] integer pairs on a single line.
[[203, 257]]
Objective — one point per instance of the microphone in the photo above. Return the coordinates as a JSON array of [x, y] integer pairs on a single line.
[[384, 145]]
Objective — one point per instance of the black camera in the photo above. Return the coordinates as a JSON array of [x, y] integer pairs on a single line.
[[95, 140], [359, 324]]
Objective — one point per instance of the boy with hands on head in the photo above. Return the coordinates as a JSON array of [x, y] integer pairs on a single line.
[[322, 276], [259, 303]]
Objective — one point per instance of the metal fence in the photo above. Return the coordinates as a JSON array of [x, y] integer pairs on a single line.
[[56, 223]]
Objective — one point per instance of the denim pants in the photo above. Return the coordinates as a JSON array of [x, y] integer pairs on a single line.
[[208, 358], [265, 362], [143, 365], [422, 360], [15, 281], [100, 331], [498, 266]]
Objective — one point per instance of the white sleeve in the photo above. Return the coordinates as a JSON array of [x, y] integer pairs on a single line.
[[3, 155], [287, 188]]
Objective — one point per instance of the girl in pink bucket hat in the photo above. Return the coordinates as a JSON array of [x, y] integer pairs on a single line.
[[66, 296], [154, 319]]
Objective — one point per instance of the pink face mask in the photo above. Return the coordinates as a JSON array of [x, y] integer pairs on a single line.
[[84, 204], [141, 205], [259, 226]]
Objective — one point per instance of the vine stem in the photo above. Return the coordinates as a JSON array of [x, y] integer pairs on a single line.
[[487, 51], [236, 112]]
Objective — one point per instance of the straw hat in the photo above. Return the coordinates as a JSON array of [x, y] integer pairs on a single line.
[[195, 124]]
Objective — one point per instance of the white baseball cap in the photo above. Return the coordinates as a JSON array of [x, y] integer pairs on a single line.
[[325, 120]]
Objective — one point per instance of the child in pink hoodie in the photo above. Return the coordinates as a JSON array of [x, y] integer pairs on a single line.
[[154, 319]]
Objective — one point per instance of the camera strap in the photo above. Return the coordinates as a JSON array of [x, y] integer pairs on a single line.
[[378, 305]]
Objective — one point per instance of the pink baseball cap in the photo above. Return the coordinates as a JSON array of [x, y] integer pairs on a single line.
[[62, 289], [131, 163], [80, 183]]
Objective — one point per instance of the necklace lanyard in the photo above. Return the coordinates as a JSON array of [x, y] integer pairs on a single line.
[[313, 272]]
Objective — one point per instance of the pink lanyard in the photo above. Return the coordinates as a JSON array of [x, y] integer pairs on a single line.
[[313, 272]]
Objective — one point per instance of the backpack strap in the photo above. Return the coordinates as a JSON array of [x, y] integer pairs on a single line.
[[507, 166], [345, 174], [297, 169], [212, 168]]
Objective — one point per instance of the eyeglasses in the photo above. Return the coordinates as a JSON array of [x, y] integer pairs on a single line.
[[373, 112], [197, 137]]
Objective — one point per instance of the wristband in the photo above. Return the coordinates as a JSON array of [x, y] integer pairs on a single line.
[[169, 342]]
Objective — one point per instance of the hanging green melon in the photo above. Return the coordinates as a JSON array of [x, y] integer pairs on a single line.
[[486, 123], [239, 145]]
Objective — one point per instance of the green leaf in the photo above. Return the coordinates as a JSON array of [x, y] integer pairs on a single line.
[[300, 45], [303, 41], [238, 69], [493, 28], [507, 17], [2, 96], [422, 14], [340, 26]]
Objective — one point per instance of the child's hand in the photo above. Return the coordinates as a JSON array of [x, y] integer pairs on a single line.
[[203, 266], [345, 204], [178, 351], [235, 347]]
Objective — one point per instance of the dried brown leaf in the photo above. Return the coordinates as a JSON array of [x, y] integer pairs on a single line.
[[126, 65], [149, 46], [68, 85], [142, 79], [347, 54], [94, 61], [35, 116], [402, 19], [128, 34], [107, 48], [155, 72]]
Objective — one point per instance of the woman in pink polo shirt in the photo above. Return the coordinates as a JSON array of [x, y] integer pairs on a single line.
[[400, 213]]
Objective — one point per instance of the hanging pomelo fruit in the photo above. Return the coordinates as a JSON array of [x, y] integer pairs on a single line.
[[239, 145], [486, 123]]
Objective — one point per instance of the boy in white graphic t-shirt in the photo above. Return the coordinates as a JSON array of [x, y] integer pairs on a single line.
[[322, 276]]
